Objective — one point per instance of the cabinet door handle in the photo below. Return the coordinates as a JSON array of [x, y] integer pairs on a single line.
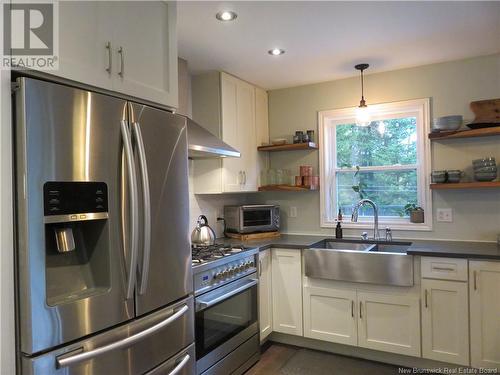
[[360, 310], [352, 308], [260, 267], [108, 48], [443, 268], [244, 177], [425, 298], [240, 178], [122, 62], [475, 280]]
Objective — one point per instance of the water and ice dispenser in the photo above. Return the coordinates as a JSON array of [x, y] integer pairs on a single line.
[[76, 239]]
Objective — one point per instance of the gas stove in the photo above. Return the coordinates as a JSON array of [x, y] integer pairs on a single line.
[[217, 265], [225, 283], [205, 254]]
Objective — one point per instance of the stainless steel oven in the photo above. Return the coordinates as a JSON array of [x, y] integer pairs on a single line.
[[252, 218], [226, 317]]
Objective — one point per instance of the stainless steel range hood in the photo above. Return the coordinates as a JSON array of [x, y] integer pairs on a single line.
[[202, 144]]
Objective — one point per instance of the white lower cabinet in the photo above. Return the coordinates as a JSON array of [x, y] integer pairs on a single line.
[[484, 290], [369, 319], [265, 294], [330, 315], [389, 322], [445, 321], [287, 291]]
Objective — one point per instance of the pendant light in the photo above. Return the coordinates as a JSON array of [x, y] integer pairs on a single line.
[[363, 117]]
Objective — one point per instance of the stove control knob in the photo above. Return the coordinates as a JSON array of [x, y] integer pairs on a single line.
[[217, 276], [241, 267], [230, 271], [225, 273]]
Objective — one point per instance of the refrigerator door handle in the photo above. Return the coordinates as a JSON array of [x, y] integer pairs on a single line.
[[146, 207], [134, 207], [65, 361]]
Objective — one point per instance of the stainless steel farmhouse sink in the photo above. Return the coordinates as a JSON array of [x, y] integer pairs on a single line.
[[375, 263]]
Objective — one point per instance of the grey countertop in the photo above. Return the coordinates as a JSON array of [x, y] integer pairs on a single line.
[[453, 249]]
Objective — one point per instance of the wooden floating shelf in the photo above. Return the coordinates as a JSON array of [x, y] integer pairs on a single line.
[[466, 185], [472, 133], [289, 147], [286, 188]]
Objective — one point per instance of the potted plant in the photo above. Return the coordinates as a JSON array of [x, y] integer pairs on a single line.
[[415, 212]]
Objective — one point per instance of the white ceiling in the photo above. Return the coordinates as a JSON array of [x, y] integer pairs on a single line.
[[324, 40]]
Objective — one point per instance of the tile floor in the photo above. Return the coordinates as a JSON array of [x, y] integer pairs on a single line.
[[281, 359]]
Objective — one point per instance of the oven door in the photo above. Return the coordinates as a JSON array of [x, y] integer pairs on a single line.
[[258, 218], [225, 319]]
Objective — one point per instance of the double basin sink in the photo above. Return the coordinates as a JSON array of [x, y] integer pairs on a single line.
[[383, 263]]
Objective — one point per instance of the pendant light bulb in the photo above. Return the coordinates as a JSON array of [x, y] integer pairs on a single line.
[[363, 116]]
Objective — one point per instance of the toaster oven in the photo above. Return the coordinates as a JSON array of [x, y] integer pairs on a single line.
[[252, 218]]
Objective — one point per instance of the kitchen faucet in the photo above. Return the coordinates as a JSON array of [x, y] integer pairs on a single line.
[[354, 217]]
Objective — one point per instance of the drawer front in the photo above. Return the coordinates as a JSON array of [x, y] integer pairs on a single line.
[[444, 268]]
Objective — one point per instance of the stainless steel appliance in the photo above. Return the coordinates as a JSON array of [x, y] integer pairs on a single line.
[[202, 234], [104, 279], [226, 322], [252, 218], [204, 145]]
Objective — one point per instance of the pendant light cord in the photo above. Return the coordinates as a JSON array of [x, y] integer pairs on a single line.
[[362, 86]]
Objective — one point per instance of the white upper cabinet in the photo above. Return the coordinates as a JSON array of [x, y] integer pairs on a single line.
[[127, 46], [239, 131], [145, 46], [445, 321], [85, 42], [236, 112], [484, 290]]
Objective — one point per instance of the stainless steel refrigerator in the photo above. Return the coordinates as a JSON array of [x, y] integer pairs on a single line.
[[104, 280]]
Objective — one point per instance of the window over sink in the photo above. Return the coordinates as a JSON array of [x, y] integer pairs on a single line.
[[387, 162]]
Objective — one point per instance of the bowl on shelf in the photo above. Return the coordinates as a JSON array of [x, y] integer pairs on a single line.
[[438, 177], [487, 176], [447, 123], [484, 162], [454, 175], [482, 177], [278, 141], [485, 170]]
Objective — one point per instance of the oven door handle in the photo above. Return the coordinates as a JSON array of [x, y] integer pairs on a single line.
[[202, 304]]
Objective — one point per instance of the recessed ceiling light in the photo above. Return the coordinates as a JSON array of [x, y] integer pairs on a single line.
[[226, 15], [276, 51]]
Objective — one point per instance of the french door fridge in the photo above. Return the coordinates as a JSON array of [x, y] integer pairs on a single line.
[[104, 282]]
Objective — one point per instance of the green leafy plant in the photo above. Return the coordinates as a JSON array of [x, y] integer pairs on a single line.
[[408, 208], [360, 186]]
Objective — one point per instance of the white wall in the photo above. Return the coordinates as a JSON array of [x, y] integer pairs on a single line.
[[451, 87]]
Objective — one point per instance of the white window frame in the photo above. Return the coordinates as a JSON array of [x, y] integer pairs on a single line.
[[329, 119]]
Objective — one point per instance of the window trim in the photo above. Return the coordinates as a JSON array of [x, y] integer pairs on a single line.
[[421, 108]]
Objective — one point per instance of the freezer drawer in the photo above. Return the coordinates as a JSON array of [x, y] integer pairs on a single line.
[[184, 363], [130, 349]]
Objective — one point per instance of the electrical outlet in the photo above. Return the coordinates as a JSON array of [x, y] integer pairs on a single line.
[[445, 215], [293, 211]]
